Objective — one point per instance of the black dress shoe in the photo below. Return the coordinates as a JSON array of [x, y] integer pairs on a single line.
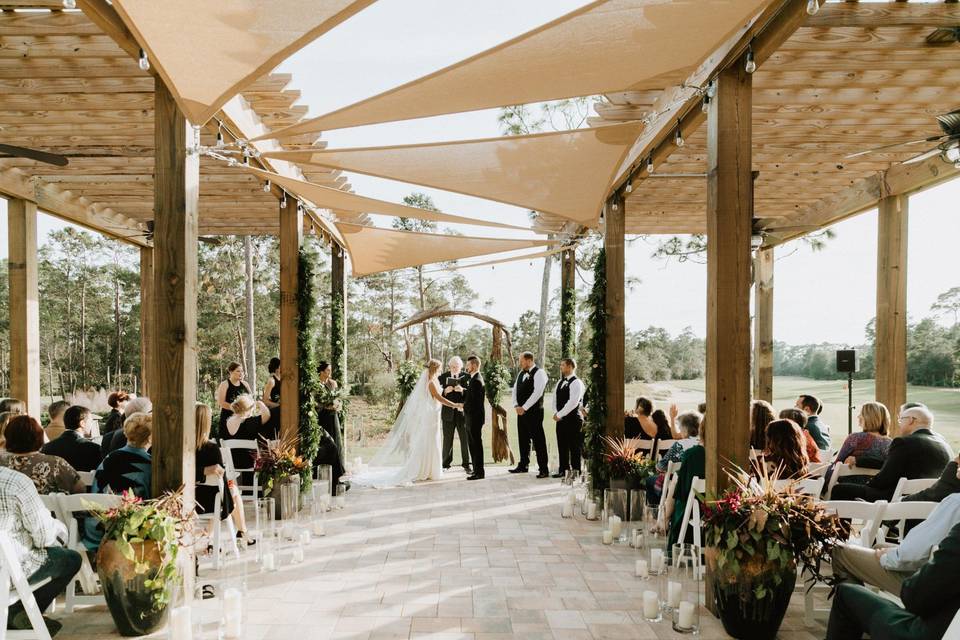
[[468, 469], [517, 469], [558, 475], [543, 474], [475, 477]]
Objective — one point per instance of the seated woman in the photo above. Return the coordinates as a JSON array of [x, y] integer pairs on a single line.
[[209, 462], [117, 438], [761, 414], [872, 442], [690, 431], [693, 464], [50, 474], [664, 432], [114, 420], [809, 443], [785, 455], [638, 423], [244, 425]]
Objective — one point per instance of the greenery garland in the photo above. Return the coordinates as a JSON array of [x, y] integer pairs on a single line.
[[337, 338], [496, 380], [568, 323], [307, 359], [407, 375], [595, 426]]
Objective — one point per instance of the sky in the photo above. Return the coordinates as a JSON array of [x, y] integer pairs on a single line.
[[827, 296]]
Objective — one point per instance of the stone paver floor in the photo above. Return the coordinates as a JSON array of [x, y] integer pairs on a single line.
[[449, 560]]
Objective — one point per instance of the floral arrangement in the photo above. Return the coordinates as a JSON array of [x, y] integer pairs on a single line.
[[496, 380], [759, 532], [162, 521], [277, 460], [624, 462], [336, 398]]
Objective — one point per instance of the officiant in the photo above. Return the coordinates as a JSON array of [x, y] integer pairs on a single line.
[[452, 383]]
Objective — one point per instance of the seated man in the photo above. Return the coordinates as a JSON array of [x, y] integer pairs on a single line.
[[948, 483], [917, 453], [820, 431], [74, 444], [888, 567], [37, 539], [931, 597], [55, 427]]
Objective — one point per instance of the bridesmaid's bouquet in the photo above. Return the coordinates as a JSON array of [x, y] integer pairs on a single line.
[[328, 398]]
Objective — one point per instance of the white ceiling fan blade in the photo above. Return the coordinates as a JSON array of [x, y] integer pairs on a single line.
[[892, 146], [923, 156]]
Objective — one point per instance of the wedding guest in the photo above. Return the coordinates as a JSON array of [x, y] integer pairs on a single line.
[[931, 598], [917, 452], [813, 452], [639, 423], [5, 417], [50, 474], [693, 464], [271, 390], [527, 397], [761, 414], [38, 541], [329, 414], [243, 424], [702, 408], [229, 390], [114, 420], [871, 442], [689, 431], [117, 438], [567, 398], [664, 432], [451, 383], [55, 427], [209, 464], [785, 454], [74, 444], [811, 406], [947, 484], [14, 406]]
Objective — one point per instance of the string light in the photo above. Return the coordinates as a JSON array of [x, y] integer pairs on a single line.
[[266, 186], [246, 161], [678, 139], [629, 187], [69, 4], [711, 89], [751, 64], [283, 200], [813, 6], [219, 134], [144, 62], [650, 164], [616, 207], [705, 105]]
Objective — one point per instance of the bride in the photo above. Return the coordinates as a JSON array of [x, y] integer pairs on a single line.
[[412, 450]]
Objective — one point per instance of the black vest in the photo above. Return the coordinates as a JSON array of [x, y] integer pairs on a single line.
[[563, 395], [525, 389]]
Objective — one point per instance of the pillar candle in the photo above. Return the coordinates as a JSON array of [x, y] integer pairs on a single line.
[[269, 562], [566, 510], [651, 605], [685, 617], [571, 497], [656, 560], [616, 526], [607, 536], [318, 528], [232, 613], [673, 594], [298, 553], [180, 626], [641, 570], [304, 537], [592, 510]]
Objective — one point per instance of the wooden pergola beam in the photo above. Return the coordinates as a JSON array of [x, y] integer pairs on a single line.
[[886, 15], [24, 304], [148, 305], [291, 239], [890, 346], [614, 248], [763, 266]]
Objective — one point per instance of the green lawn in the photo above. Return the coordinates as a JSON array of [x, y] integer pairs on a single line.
[[945, 404]]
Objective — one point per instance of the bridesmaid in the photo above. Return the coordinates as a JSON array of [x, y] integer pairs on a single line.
[[228, 391], [329, 417], [271, 390]]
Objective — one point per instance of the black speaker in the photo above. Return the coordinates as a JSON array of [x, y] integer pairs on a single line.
[[847, 361]]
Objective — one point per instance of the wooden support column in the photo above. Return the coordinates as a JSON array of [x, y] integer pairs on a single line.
[[173, 384], [338, 292], [24, 304], [291, 238], [763, 325], [890, 350], [729, 227], [147, 321], [613, 244], [568, 303]]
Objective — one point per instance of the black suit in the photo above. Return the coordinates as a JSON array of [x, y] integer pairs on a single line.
[[931, 598], [80, 453], [453, 420], [922, 454], [474, 414], [945, 485]]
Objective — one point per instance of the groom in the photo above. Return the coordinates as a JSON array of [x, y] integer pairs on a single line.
[[474, 413]]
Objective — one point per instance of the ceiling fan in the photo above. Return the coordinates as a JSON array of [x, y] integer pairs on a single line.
[[148, 235], [11, 151], [947, 144]]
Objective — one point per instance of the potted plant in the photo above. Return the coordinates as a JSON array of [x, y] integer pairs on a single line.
[[627, 467], [756, 537], [278, 469], [137, 559]]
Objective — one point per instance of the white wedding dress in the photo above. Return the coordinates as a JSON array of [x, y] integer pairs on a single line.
[[412, 450]]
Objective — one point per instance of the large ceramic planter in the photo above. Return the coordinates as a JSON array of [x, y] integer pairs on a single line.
[[129, 601], [743, 614]]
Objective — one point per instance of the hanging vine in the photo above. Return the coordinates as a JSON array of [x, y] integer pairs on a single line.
[[568, 323], [337, 338], [307, 360], [595, 426]]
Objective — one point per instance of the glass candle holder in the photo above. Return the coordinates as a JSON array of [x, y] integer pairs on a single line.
[[567, 505], [633, 519], [340, 498], [266, 515], [650, 602], [653, 534], [685, 574], [591, 512], [323, 475], [616, 511]]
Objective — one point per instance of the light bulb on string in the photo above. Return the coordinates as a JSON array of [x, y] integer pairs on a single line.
[[69, 4], [751, 64], [705, 103], [266, 186], [813, 6], [283, 200], [678, 139], [220, 134], [616, 207], [246, 161], [629, 187], [711, 89], [650, 164], [143, 62]]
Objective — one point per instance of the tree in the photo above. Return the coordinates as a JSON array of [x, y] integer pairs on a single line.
[[421, 201], [948, 303]]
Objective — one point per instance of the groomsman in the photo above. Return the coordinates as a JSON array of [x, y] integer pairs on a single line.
[[528, 400], [453, 382], [567, 399]]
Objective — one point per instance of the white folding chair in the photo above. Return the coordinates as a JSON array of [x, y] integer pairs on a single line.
[[870, 514], [645, 447], [901, 512], [953, 631], [817, 469], [669, 488], [907, 487], [840, 469], [691, 512], [86, 477], [807, 486], [219, 544], [71, 506], [242, 445], [662, 447], [11, 574]]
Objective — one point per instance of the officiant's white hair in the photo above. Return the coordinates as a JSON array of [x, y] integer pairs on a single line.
[[455, 360]]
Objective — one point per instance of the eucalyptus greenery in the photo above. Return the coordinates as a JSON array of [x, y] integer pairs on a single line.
[[337, 339], [595, 426], [568, 323], [308, 360], [407, 374], [496, 380]]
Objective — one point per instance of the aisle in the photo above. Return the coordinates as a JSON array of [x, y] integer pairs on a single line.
[[446, 560]]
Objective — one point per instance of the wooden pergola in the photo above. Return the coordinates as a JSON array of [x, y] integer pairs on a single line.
[[72, 86]]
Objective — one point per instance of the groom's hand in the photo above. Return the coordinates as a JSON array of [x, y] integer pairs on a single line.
[[447, 390], [521, 411], [556, 418]]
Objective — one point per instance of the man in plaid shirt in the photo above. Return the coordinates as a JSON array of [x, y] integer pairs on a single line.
[[38, 542]]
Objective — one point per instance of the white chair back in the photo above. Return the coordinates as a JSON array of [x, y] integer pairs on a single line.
[[219, 544], [817, 469], [907, 487], [11, 574], [807, 486], [228, 447], [86, 477], [901, 512], [840, 469], [645, 446], [869, 513], [72, 506], [663, 446], [691, 512], [953, 631]]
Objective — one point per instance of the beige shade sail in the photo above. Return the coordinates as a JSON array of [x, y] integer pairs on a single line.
[[373, 249], [605, 46], [487, 263], [335, 199], [565, 173], [207, 50]]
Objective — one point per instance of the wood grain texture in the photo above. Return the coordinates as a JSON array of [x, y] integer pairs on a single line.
[[338, 289], [890, 351], [148, 307], [291, 237], [763, 325], [24, 304], [613, 244]]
